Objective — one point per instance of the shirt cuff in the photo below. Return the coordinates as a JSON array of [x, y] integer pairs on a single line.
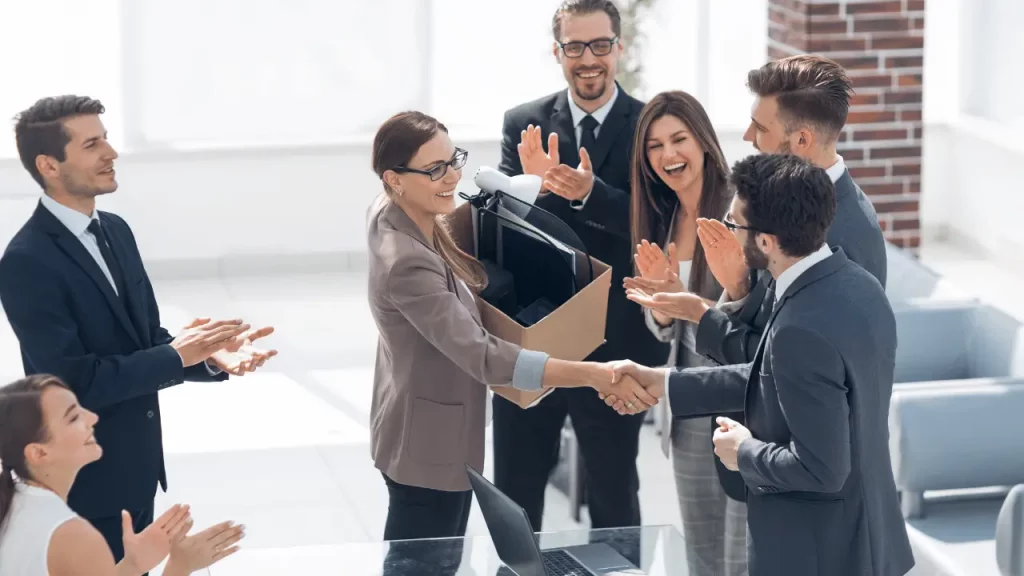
[[213, 370], [529, 371], [661, 333], [579, 204]]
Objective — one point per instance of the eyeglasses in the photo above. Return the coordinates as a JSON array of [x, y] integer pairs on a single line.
[[438, 172], [734, 226], [599, 47]]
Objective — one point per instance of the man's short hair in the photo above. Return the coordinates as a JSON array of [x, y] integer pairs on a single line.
[[575, 7], [40, 129], [787, 197], [811, 90]]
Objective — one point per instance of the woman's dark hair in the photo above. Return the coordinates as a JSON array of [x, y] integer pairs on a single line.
[[653, 202], [21, 424], [397, 141]]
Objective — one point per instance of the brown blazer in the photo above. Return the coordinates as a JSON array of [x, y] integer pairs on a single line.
[[433, 359]]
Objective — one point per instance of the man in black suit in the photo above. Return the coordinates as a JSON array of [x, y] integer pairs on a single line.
[[814, 457], [589, 131], [74, 289], [800, 107]]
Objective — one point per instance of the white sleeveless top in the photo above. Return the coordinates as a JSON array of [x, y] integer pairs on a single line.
[[25, 536]]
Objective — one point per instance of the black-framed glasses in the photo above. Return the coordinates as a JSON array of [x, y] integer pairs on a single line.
[[599, 47], [438, 172], [734, 226]]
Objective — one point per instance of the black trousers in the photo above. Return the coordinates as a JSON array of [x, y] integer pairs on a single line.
[[110, 528], [420, 513], [526, 446]]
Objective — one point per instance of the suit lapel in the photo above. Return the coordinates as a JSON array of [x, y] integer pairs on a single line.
[[73, 248], [810, 276], [561, 124], [613, 125]]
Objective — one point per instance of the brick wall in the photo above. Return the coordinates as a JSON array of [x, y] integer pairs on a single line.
[[881, 45]]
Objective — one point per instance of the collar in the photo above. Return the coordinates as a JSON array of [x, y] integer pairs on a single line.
[[600, 114], [786, 279], [73, 220], [836, 171]]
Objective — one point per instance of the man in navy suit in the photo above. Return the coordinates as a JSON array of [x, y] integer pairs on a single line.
[[75, 291], [814, 453]]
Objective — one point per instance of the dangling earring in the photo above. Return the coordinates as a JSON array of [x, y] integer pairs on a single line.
[[400, 191]]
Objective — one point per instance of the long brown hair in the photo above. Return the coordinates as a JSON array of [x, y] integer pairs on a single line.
[[397, 141], [21, 424], [653, 202]]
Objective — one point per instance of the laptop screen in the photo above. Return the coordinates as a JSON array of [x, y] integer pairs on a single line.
[[509, 527]]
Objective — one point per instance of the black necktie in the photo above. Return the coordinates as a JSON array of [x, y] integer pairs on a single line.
[[587, 139], [108, 256]]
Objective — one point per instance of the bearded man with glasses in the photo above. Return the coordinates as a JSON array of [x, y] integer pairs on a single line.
[[579, 141]]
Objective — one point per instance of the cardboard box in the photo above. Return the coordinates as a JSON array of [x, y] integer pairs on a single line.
[[572, 332]]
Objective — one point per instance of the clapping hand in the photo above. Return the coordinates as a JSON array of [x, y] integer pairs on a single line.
[[659, 271], [198, 551], [145, 550], [531, 152], [242, 356], [728, 437], [725, 256]]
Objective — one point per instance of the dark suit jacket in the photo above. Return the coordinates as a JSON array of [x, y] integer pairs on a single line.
[[603, 223], [70, 323], [732, 338], [821, 498]]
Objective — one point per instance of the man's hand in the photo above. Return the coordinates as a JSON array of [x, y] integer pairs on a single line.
[[728, 437], [199, 551], [200, 339], [651, 379], [680, 305], [725, 257], [241, 356], [531, 152], [571, 183]]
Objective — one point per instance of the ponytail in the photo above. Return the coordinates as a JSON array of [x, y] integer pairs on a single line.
[[464, 266], [21, 424], [6, 492]]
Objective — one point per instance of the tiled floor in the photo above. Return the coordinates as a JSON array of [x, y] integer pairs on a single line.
[[285, 451]]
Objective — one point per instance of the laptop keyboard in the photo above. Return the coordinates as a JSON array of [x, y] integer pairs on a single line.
[[560, 563]]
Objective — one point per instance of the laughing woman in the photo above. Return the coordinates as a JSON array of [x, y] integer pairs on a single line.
[[678, 175]]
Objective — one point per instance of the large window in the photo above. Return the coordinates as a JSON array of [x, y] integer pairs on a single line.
[[991, 84], [241, 73]]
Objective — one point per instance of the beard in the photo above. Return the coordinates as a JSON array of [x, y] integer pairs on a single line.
[[756, 259], [580, 85]]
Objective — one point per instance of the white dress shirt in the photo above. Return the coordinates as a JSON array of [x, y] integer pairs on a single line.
[[577, 117], [78, 224], [836, 170]]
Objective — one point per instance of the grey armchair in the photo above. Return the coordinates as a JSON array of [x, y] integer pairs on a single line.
[[1010, 534]]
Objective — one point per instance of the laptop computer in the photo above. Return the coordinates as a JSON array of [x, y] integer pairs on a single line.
[[517, 545]]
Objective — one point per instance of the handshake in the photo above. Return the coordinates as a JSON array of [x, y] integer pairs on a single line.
[[633, 388]]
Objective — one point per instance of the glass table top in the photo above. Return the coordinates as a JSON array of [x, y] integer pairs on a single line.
[[656, 550]]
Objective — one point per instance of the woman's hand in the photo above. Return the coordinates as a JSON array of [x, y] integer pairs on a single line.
[[724, 256], [147, 549], [200, 550], [659, 272]]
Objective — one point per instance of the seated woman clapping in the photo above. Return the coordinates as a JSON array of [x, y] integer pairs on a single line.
[[46, 437]]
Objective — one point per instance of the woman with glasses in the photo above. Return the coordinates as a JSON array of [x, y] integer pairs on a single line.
[[679, 175], [434, 356]]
